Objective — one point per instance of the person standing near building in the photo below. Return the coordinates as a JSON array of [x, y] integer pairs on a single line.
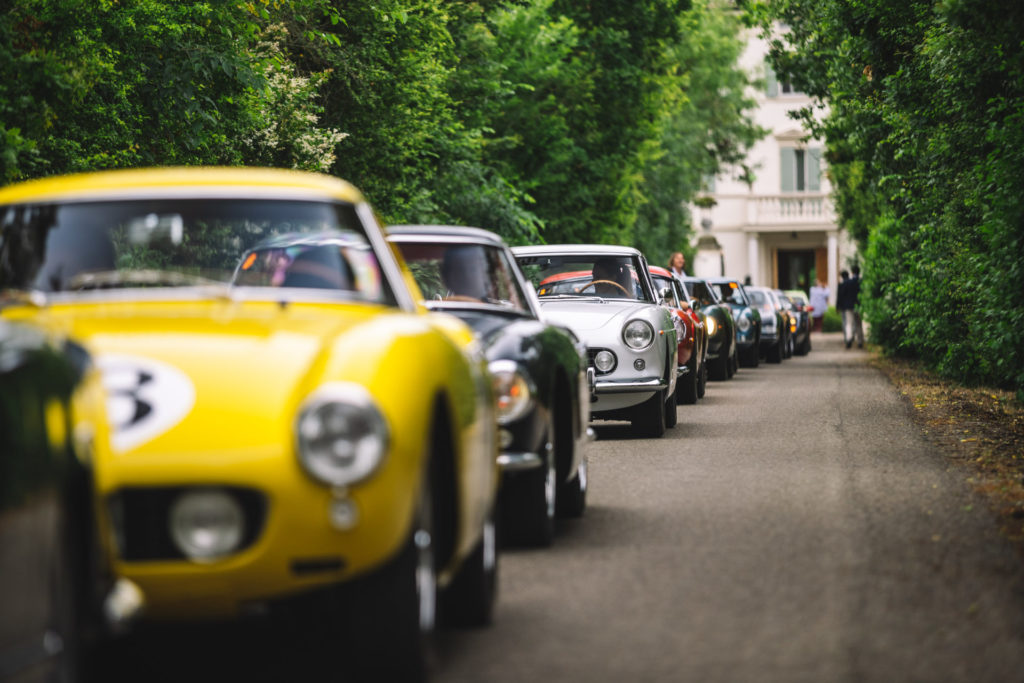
[[677, 264], [819, 302], [846, 302]]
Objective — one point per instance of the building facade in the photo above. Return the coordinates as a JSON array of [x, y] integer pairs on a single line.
[[777, 226]]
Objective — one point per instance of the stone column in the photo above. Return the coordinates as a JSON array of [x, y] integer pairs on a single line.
[[833, 266], [754, 258]]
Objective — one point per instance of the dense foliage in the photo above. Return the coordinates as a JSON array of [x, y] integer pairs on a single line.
[[924, 120], [544, 120]]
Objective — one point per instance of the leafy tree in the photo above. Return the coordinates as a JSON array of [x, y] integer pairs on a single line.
[[925, 104]]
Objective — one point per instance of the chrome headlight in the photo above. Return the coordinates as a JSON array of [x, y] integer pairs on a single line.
[[512, 391], [638, 334], [206, 524], [743, 323], [712, 326], [604, 361], [342, 436]]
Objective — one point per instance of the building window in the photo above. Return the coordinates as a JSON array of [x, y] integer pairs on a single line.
[[774, 87], [800, 169]]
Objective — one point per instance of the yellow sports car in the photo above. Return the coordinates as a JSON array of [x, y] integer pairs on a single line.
[[286, 420]]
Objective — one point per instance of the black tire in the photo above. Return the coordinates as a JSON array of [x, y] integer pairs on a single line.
[[649, 417], [805, 346], [719, 370], [572, 495], [730, 365], [702, 385], [532, 498], [750, 357], [671, 411], [687, 387], [469, 600], [391, 616], [774, 354]]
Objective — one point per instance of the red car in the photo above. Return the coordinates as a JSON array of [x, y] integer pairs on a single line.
[[693, 338]]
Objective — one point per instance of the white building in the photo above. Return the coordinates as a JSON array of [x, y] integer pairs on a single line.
[[781, 228]]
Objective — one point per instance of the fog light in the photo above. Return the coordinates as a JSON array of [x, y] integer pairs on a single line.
[[504, 438], [604, 361], [206, 524], [639, 364], [344, 514]]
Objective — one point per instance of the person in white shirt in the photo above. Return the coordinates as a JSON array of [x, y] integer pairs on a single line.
[[819, 302]]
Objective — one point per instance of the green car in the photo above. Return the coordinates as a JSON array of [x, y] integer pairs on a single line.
[[722, 359]]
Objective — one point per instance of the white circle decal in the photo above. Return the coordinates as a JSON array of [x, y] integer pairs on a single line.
[[145, 398]]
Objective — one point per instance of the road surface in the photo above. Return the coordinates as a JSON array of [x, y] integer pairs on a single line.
[[795, 526]]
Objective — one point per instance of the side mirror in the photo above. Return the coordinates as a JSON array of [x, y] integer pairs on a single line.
[[664, 295], [695, 304]]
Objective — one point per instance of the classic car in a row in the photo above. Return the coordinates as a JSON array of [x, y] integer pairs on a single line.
[[723, 359], [289, 424], [541, 368], [52, 583], [692, 331], [801, 309], [746, 316], [776, 337], [605, 296]]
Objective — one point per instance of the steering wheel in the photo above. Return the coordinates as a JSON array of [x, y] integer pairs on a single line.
[[606, 282]]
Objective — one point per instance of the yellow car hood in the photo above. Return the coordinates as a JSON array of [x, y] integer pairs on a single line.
[[217, 376]]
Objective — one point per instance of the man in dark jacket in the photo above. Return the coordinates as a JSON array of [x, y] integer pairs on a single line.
[[846, 303]]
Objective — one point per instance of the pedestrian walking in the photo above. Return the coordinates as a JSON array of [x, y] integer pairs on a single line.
[[847, 301], [677, 264], [819, 302]]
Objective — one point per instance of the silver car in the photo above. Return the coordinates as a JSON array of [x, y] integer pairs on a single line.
[[605, 296]]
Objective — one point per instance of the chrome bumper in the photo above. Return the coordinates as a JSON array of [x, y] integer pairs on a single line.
[[517, 462], [610, 387]]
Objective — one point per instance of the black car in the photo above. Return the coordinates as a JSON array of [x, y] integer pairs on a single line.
[[50, 583], [747, 317], [539, 370], [723, 357]]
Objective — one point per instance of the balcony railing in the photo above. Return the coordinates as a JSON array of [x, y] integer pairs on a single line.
[[774, 210], [789, 209]]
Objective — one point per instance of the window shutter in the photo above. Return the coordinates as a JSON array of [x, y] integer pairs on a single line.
[[787, 168], [771, 84], [814, 170]]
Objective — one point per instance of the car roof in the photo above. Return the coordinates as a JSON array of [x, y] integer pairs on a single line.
[[190, 182], [448, 232], [543, 249], [658, 270]]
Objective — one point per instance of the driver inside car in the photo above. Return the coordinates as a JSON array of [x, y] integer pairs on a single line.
[[612, 278]]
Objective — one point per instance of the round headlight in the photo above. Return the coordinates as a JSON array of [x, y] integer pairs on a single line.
[[743, 323], [512, 392], [342, 436], [206, 524], [712, 325], [638, 334], [604, 361]]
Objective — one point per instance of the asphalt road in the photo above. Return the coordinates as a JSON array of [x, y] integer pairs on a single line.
[[795, 526]]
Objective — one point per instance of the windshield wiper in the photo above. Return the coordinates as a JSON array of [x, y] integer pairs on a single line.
[[110, 279]]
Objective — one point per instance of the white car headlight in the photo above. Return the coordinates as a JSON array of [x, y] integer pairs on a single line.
[[206, 524], [638, 334], [604, 361], [712, 326], [743, 323], [512, 392], [342, 436]]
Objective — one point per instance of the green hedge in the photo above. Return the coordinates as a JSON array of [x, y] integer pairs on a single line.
[[832, 321]]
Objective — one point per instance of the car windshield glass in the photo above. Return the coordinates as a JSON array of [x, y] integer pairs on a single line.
[[758, 298], [468, 273], [702, 292], [586, 275], [182, 242]]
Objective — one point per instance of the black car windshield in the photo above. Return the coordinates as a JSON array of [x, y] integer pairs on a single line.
[[170, 242], [458, 273], [586, 275]]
